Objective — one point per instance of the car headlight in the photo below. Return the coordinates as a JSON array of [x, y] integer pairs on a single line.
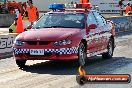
[[19, 43], [62, 42]]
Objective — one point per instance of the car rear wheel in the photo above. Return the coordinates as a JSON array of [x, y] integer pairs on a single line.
[[82, 54], [110, 49], [21, 63]]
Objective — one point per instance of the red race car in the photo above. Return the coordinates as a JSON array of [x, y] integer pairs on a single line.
[[66, 34]]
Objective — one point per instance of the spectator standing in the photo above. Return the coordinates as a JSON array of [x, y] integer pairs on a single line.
[[32, 12], [128, 9], [121, 5], [12, 28]]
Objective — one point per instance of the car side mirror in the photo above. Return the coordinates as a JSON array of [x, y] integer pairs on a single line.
[[92, 26]]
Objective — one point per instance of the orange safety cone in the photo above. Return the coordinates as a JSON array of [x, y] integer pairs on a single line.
[[19, 27]]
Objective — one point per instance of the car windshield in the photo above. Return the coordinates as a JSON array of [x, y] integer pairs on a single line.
[[61, 20]]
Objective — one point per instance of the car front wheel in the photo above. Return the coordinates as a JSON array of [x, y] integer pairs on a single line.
[[110, 49], [82, 54], [21, 63]]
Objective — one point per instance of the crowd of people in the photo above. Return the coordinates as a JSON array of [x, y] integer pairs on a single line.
[[125, 9]]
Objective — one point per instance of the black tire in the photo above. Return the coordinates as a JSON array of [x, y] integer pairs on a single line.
[[21, 63], [110, 48], [82, 54]]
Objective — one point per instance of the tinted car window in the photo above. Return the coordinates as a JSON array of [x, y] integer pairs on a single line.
[[99, 19], [91, 19], [62, 20]]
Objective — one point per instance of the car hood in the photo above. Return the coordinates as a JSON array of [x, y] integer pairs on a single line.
[[48, 34]]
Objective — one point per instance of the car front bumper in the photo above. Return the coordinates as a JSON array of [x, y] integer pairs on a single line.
[[69, 53]]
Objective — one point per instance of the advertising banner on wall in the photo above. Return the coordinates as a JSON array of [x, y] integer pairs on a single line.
[[109, 6]]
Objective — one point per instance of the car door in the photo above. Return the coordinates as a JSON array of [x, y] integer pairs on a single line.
[[102, 29], [91, 36]]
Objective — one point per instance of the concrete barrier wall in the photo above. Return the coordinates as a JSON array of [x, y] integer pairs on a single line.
[[6, 42], [6, 19], [122, 23]]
